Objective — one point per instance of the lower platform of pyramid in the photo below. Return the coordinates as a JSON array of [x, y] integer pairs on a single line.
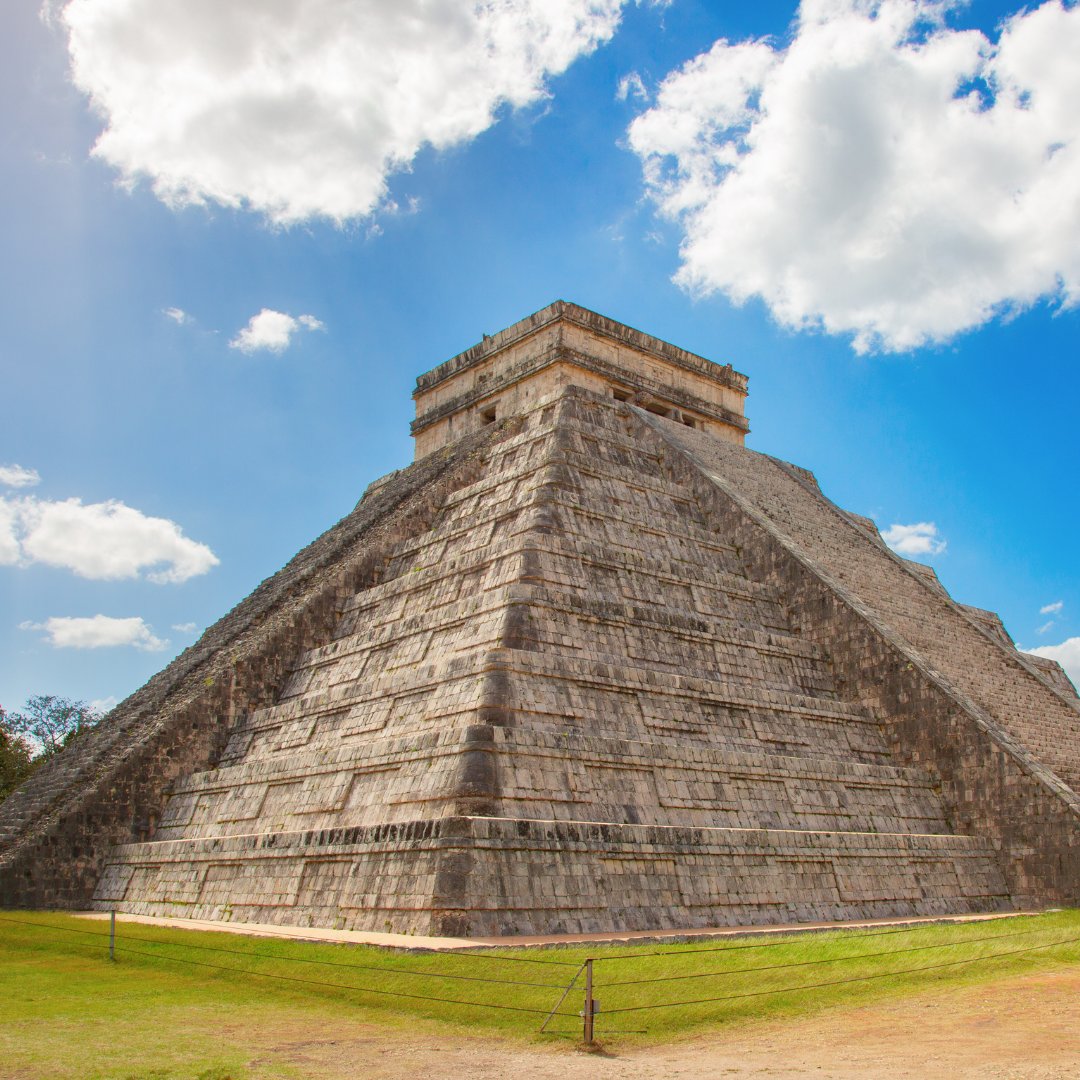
[[574, 701]]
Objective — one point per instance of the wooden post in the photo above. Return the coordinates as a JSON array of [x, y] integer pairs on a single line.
[[112, 934], [588, 1035]]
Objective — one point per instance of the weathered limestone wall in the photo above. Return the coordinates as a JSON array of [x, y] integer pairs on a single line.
[[475, 876], [109, 786], [953, 699]]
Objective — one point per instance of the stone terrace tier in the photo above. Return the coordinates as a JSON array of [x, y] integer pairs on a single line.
[[567, 345], [494, 876]]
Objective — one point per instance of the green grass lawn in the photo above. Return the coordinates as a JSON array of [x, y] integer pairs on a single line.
[[179, 1003]]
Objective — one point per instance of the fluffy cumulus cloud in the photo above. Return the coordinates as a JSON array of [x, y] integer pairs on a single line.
[[18, 477], [882, 176], [1067, 654], [98, 632], [178, 315], [272, 330], [919, 539], [302, 108], [103, 541]]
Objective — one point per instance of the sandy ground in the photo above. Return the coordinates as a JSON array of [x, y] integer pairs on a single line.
[[637, 937], [1024, 1027]]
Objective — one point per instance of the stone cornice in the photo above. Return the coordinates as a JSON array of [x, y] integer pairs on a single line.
[[563, 311], [557, 354]]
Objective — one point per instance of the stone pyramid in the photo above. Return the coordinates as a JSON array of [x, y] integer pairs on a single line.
[[588, 664]]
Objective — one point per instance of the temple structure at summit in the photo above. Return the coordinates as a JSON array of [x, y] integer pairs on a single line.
[[587, 664]]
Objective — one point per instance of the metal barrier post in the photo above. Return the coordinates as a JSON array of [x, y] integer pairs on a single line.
[[112, 935], [588, 1033]]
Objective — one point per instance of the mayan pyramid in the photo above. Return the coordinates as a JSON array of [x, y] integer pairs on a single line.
[[588, 664]]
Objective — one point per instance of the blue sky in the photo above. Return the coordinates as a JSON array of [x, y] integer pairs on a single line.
[[891, 264]]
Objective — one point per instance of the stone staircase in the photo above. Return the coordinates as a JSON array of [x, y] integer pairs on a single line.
[[976, 663]]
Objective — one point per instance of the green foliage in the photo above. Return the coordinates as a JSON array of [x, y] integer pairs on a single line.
[[46, 724], [51, 722], [16, 759]]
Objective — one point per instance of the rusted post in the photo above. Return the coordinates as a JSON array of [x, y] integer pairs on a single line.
[[588, 1035]]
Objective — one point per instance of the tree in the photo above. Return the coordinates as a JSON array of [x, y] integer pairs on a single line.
[[51, 722], [16, 759]]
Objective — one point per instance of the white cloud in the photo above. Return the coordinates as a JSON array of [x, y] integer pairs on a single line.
[[919, 539], [104, 541], [97, 632], [18, 477], [185, 627], [631, 86], [1052, 609], [104, 705], [1067, 654], [882, 176], [178, 315], [302, 108], [272, 330], [9, 540], [1046, 626]]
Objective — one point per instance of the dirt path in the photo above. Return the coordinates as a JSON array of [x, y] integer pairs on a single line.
[[1023, 1028]]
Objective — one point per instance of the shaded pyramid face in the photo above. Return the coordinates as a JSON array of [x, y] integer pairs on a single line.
[[582, 697]]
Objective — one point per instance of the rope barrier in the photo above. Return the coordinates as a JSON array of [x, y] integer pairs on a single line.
[[829, 960], [783, 940], [313, 960], [236, 969], [341, 964], [339, 986], [837, 982], [52, 926], [552, 1014]]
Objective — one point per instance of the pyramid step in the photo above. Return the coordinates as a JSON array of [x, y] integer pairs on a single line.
[[443, 556], [619, 672], [568, 693], [426, 567], [526, 876], [548, 774], [548, 616], [653, 750], [588, 553]]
